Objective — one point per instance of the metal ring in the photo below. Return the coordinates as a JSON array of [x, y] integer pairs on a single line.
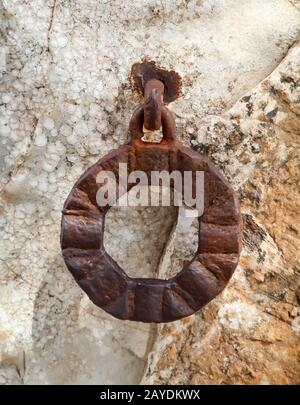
[[151, 300]]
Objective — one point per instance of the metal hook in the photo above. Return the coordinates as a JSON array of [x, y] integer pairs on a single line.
[[153, 102]]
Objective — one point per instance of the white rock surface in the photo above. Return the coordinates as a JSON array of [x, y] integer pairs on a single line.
[[66, 101]]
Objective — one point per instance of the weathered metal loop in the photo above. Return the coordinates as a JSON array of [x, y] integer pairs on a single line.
[[142, 299], [153, 101], [137, 123]]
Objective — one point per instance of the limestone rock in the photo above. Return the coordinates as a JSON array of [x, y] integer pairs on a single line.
[[250, 333]]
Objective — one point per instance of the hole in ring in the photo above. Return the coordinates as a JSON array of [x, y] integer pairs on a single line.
[[150, 241]]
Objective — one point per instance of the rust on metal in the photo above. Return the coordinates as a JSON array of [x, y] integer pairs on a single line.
[[142, 299], [153, 101], [142, 72]]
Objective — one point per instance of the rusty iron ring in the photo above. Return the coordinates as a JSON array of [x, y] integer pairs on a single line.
[[140, 299]]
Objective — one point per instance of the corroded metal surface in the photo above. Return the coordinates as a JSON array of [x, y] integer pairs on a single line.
[[153, 100], [143, 72], [151, 300]]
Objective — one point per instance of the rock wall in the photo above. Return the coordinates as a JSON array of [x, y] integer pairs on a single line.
[[65, 101]]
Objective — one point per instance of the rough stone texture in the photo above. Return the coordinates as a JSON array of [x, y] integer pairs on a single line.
[[250, 334], [66, 101]]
